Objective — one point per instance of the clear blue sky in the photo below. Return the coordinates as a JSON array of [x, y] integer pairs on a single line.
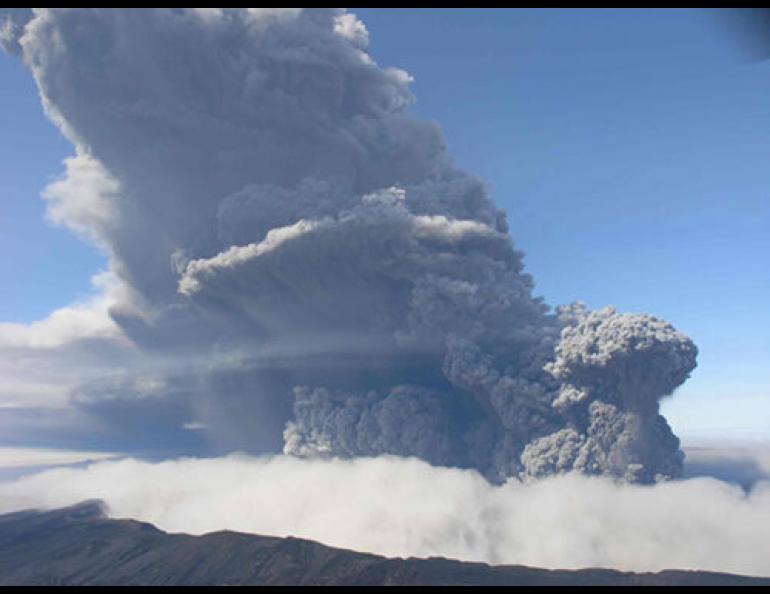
[[629, 148]]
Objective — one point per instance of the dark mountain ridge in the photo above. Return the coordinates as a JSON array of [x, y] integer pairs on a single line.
[[79, 545]]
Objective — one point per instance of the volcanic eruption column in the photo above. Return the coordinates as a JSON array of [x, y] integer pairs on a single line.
[[261, 190]]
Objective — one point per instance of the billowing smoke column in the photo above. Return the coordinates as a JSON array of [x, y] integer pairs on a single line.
[[277, 216]]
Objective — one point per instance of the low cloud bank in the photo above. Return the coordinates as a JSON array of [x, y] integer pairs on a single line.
[[405, 507]]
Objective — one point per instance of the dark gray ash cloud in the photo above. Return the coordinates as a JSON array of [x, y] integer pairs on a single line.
[[302, 267]]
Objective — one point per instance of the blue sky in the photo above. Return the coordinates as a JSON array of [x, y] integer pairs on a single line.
[[629, 148]]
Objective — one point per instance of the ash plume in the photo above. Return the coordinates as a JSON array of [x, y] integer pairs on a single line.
[[302, 252]]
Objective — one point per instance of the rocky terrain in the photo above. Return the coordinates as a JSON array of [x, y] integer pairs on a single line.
[[79, 545]]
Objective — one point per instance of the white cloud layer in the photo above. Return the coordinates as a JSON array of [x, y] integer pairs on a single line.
[[88, 319], [405, 507], [41, 362]]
